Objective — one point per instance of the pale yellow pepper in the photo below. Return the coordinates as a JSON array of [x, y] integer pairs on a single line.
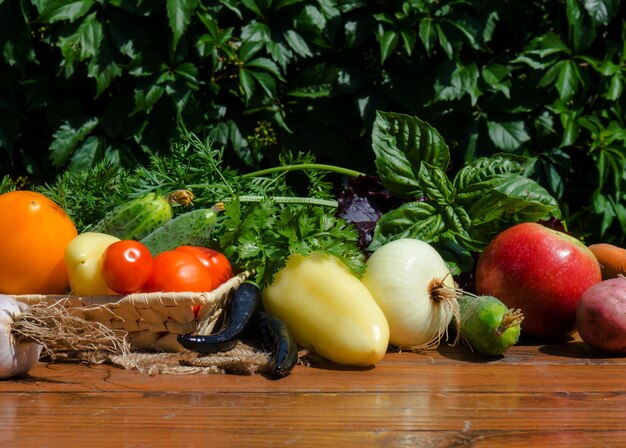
[[328, 309]]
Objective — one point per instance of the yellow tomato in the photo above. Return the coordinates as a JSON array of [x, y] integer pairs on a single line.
[[83, 258], [34, 232]]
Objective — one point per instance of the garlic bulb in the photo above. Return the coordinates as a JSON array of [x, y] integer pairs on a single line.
[[15, 357]]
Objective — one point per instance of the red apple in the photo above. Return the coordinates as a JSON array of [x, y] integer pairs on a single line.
[[541, 271]]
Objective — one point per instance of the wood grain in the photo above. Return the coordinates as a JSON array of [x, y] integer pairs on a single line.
[[542, 395]]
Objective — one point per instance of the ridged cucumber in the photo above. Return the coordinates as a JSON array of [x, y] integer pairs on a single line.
[[135, 219], [188, 229], [488, 325]]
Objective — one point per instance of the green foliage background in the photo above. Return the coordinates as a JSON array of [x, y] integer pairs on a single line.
[[86, 80]]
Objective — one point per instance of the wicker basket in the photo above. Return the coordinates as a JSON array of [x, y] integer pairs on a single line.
[[151, 321]]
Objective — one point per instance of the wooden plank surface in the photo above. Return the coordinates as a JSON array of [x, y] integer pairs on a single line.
[[542, 395]]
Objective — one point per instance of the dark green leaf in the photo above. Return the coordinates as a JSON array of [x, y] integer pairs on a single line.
[[567, 81], [444, 42], [401, 143], [67, 138], [574, 20], [601, 11], [319, 81], [246, 81], [265, 64], [179, 14], [615, 88], [388, 42], [297, 43], [463, 80], [571, 128], [84, 43], [498, 78], [147, 93], [508, 136], [55, 10], [547, 45], [87, 154], [249, 49], [265, 81], [409, 37], [427, 34], [255, 6]]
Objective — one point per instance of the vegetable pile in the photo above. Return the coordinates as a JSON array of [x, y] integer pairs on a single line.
[[345, 271]]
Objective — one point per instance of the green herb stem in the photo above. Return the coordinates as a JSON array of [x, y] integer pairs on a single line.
[[288, 200], [305, 166]]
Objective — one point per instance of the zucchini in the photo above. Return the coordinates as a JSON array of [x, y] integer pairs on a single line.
[[135, 219], [187, 229]]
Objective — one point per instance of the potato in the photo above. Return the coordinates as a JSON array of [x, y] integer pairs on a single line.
[[601, 316]]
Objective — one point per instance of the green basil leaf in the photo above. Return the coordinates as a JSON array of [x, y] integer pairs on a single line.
[[435, 184], [401, 143], [485, 168], [411, 220], [511, 198], [458, 224]]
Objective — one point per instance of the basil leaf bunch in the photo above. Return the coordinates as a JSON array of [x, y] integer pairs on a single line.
[[483, 198]]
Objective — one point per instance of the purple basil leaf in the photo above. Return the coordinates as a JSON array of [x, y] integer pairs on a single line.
[[362, 202]]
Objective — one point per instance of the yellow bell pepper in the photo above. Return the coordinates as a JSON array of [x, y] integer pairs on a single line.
[[328, 309]]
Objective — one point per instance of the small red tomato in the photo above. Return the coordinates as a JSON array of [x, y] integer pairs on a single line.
[[215, 261], [179, 271], [126, 266]]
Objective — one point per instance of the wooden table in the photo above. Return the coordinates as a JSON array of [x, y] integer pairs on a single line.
[[537, 395]]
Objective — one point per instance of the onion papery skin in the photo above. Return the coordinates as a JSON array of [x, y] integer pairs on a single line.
[[400, 276]]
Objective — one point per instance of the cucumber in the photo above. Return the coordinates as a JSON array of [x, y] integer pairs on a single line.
[[135, 219], [488, 325], [188, 229]]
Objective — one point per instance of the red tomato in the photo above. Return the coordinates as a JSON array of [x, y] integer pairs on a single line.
[[126, 266], [215, 261], [179, 271]]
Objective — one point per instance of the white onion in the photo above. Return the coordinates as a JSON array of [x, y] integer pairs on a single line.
[[16, 357], [413, 286]]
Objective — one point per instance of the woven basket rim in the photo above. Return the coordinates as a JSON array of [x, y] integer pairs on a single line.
[[169, 297]]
